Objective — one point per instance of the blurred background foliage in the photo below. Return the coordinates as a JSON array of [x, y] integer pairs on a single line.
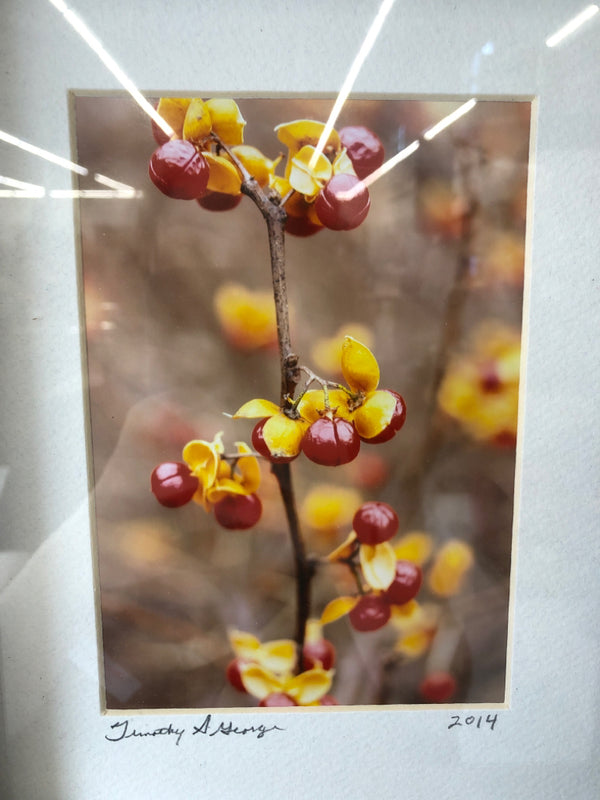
[[432, 282]]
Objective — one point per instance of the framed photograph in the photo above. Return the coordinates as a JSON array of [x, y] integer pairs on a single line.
[[404, 524], [172, 604]]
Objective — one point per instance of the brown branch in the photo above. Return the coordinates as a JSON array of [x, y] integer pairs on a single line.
[[304, 567], [269, 205]]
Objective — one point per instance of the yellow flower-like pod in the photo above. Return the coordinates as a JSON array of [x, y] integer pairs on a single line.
[[450, 567], [203, 459], [312, 405], [313, 631], [244, 645], [257, 164], [359, 366], [227, 120], [415, 546], [309, 686], [328, 507], [283, 435], [259, 681], [305, 688], [173, 110], [375, 414], [306, 178], [417, 625], [245, 480], [247, 317], [256, 409], [337, 608], [281, 185], [414, 644], [343, 165], [345, 549], [223, 176], [378, 564], [327, 352], [278, 656], [215, 477], [197, 124], [300, 132], [481, 387]]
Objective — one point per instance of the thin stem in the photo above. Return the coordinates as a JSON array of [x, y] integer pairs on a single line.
[[269, 205], [355, 570], [304, 567]]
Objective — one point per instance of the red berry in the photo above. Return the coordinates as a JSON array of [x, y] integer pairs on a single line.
[[173, 484], [219, 201], [259, 444], [343, 203], [322, 650], [238, 511], [397, 421], [179, 170], [375, 522], [506, 439], [276, 699], [233, 674], [301, 226], [406, 583], [370, 613], [364, 148], [331, 442], [438, 687], [489, 379], [328, 700]]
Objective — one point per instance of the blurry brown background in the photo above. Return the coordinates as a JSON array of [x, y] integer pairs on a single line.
[[161, 372]]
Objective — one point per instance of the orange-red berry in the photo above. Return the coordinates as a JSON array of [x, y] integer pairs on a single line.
[[370, 613], [277, 699], [173, 484], [179, 170], [343, 203], [331, 442], [375, 522], [406, 583], [364, 149], [238, 511], [438, 687]]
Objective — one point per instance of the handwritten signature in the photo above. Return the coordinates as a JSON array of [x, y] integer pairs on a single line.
[[125, 730]]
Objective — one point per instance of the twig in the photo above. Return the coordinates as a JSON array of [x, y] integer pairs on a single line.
[[269, 205]]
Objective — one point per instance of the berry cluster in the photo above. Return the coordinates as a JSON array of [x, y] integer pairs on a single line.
[[391, 582], [328, 425], [202, 160], [375, 523], [225, 485], [328, 183], [206, 160], [267, 670]]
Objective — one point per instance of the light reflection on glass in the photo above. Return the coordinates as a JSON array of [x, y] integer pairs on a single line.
[[95, 194], [30, 189], [391, 162], [46, 154], [572, 25], [359, 60], [110, 182], [444, 123], [88, 37], [22, 193], [380, 171]]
